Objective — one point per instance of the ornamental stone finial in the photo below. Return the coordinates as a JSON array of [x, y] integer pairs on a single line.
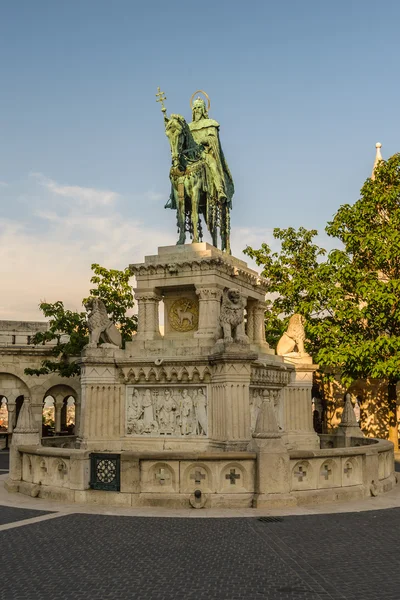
[[378, 159]]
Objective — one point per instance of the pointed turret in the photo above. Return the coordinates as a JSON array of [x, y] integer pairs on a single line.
[[378, 158], [348, 428]]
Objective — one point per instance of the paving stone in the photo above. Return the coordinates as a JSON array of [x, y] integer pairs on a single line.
[[349, 556], [9, 514]]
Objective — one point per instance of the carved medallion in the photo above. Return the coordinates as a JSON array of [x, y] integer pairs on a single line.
[[184, 315]]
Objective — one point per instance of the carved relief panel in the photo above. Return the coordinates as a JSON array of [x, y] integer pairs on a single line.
[[174, 411]]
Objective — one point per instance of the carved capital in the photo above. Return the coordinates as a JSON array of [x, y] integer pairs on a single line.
[[209, 294], [259, 307], [147, 297]]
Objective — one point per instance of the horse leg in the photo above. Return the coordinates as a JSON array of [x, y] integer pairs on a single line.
[[225, 229], [195, 195], [214, 235], [179, 194], [212, 223]]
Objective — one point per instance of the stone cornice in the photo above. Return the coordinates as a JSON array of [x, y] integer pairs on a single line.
[[25, 350], [165, 268]]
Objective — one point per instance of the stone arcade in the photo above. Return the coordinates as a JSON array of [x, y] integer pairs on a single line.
[[206, 414]]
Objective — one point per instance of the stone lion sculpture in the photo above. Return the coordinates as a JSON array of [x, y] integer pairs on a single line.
[[231, 318], [100, 326], [292, 341]]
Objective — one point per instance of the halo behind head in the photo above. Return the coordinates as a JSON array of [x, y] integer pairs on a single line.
[[204, 94]]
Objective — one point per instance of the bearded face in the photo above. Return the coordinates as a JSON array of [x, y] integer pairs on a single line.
[[199, 111]]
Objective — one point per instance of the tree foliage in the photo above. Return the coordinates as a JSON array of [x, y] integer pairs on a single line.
[[351, 296], [293, 278], [68, 329]]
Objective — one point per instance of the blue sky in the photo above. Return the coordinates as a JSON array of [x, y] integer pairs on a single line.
[[302, 91]]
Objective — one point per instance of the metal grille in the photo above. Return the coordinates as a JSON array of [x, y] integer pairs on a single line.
[[271, 519], [105, 472]]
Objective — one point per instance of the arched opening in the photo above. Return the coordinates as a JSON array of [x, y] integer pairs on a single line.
[[14, 390], [70, 415], [59, 411], [3, 414], [48, 416]]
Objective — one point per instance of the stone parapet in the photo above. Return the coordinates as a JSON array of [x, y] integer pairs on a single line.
[[211, 479]]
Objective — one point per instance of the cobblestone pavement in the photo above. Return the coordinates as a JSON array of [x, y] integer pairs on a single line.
[[350, 556]]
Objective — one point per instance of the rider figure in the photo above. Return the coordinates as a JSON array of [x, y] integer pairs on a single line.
[[205, 131]]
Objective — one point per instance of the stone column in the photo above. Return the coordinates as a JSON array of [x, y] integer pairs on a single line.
[[37, 409], [250, 321], [77, 414], [148, 320], [259, 322], [58, 405], [230, 406], [11, 406], [209, 309], [296, 399]]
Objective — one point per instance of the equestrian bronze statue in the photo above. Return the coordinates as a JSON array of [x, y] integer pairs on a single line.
[[201, 181]]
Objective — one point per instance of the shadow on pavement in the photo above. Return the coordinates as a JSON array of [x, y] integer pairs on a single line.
[[4, 461]]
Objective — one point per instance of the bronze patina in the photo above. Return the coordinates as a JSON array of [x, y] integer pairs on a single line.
[[201, 181]]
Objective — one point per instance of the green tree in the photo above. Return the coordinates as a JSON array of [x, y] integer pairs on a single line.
[[68, 329], [351, 298], [293, 275]]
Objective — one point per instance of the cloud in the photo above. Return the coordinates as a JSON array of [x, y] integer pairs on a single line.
[[46, 254], [85, 196], [154, 196], [49, 258], [3, 184]]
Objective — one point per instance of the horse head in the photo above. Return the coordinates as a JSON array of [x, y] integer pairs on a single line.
[[175, 131]]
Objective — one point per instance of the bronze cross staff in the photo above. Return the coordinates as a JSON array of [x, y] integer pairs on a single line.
[[160, 98]]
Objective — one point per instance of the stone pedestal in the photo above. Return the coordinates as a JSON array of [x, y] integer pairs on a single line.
[[101, 418], [348, 428], [195, 274], [230, 384], [296, 401], [272, 484], [26, 433]]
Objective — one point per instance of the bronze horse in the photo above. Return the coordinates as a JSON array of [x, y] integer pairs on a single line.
[[193, 188]]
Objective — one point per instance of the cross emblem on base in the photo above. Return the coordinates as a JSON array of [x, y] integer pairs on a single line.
[[326, 472], [300, 473], [233, 476], [197, 476], [348, 468], [162, 476]]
